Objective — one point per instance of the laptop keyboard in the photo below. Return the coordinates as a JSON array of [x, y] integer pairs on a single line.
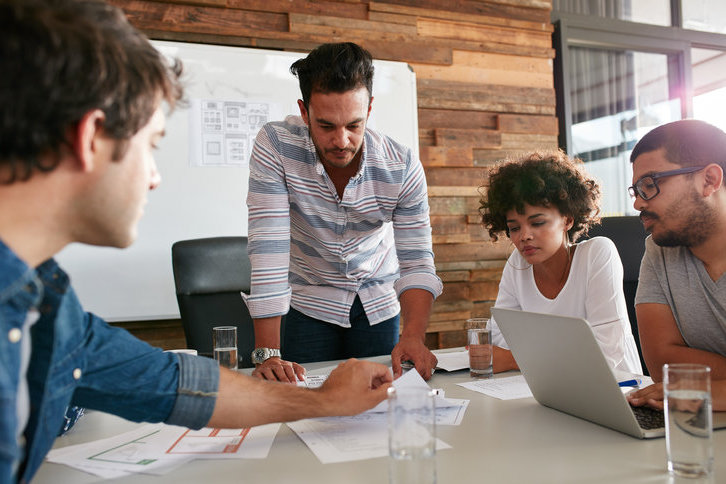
[[649, 418]]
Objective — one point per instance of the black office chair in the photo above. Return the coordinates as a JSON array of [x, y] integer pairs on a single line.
[[629, 236], [209, 274]]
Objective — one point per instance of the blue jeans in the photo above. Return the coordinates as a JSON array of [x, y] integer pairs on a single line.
[[307, 339]]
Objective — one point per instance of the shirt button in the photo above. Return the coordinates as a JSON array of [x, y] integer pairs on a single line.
[[77, 373], [14, 335]]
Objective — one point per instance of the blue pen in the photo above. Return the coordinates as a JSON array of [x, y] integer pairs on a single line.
[[630, 383]]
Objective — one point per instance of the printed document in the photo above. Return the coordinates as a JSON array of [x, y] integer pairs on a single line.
[[343, 439], [159, 448], [452, 360], [365, 436], [508, 388]]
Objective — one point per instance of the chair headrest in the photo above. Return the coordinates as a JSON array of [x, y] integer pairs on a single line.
[[629, 237], [208, 265]]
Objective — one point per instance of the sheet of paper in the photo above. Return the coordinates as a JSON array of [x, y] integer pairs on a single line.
[[452, 415], [365, 436], [140, 450], [158, 449], [412, 379], [452, 360], [508, 388], [344, 439], [312, 381], [448, 411], [57, 455], [222, 131], [208, 443]]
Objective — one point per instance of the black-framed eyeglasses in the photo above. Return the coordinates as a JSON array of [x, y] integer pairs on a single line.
[[647, 186]]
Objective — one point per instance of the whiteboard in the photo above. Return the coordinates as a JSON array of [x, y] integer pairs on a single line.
[[208, 200]]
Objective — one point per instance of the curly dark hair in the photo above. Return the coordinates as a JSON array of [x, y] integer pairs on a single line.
[[540, 178]]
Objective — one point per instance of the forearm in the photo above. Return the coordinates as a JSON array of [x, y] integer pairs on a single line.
[[244, 401], [415, 311], [267, 332], [661, 342], [503, 360], [416, 305], [352, 387], [656, 357], [718, 395]]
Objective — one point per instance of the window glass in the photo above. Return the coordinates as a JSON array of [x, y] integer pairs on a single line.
[[709, 85], [616, 97], [705, 15], [656, 12]]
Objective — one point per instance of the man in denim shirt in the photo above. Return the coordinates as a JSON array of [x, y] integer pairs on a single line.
[[81, 94]]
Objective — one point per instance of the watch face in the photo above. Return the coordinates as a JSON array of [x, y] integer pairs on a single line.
[[260, 355]]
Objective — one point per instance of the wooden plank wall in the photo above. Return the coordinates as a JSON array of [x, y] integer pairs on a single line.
[[485, 89]]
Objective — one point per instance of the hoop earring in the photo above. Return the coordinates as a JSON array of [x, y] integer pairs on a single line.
[[568, 244]]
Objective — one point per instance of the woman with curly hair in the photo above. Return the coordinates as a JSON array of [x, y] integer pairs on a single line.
[[544, 201]]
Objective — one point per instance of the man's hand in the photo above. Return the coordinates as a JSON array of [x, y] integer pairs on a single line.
[[412, 348], [355, 386], [244, 401], [651, 396], [277, 369]]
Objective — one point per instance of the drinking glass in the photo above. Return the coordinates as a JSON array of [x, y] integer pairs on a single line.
[[689, 428], [225, 346], [479, 340], [411, 436]]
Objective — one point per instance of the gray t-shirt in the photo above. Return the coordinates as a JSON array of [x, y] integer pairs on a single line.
[[674, 276]]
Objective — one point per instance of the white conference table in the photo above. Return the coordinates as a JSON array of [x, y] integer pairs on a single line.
[[499, 441]]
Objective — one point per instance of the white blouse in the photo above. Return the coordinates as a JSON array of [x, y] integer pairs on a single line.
[[593, 291]]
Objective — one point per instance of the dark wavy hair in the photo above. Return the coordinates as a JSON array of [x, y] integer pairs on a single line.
[[540, 178], [61, 59], [336, 67]]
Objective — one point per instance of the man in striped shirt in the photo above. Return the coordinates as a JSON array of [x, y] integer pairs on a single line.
[[339, 231]]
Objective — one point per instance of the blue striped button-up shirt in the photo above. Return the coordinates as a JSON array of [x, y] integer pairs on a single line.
[[314, 251]]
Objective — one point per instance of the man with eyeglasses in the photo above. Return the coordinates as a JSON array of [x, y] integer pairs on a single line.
[[678, 173]]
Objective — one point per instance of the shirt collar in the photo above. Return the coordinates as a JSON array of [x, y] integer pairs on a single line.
[[25, 284]]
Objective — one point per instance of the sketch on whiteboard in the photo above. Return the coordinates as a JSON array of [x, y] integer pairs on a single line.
[[222, 132]]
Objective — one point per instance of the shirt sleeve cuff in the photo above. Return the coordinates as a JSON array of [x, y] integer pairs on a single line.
[[197, 392], [430, 282], [268, 305]]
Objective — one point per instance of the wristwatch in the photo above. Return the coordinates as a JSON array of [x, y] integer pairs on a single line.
[[260, 355]]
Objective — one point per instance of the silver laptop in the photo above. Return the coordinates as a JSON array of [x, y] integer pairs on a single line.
[[566, 370]]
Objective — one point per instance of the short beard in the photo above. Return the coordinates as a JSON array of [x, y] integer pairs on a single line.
[[699, 223]]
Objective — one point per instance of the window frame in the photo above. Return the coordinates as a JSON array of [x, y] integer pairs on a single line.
[[574, 30]]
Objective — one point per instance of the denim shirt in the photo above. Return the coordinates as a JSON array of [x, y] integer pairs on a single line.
[[78, 359]]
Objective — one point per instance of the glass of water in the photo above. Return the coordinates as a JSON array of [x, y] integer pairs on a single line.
[[224, 340], [479, 341], [411, 436], [689, 429]]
